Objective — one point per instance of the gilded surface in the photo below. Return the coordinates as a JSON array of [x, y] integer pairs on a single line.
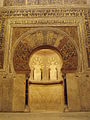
[[45, 68], [28, 28], [45, 65], [45, 37], [46, 98]]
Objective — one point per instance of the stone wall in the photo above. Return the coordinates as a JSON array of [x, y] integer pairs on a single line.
[[73, 93], [78, 91], [12, 92], [84, 91], [18, 103], [46, 98], [6, 92]]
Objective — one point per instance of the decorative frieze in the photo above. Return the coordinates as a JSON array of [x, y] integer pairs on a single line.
[[14, 2], [87, 23], [42, 2], [42, 12]]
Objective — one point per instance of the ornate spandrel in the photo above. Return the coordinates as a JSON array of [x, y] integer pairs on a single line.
[[36, 39]]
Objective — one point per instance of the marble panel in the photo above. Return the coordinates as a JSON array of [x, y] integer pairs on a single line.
[[73, 92], [46, 98], [19, 93]]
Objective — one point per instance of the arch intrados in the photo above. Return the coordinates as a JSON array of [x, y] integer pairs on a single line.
[[55, 50], [45, 47]]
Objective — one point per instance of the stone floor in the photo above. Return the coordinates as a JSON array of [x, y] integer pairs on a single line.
[[45, 116]]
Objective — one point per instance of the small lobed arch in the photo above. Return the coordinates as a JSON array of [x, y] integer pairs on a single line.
[[43, 62]]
